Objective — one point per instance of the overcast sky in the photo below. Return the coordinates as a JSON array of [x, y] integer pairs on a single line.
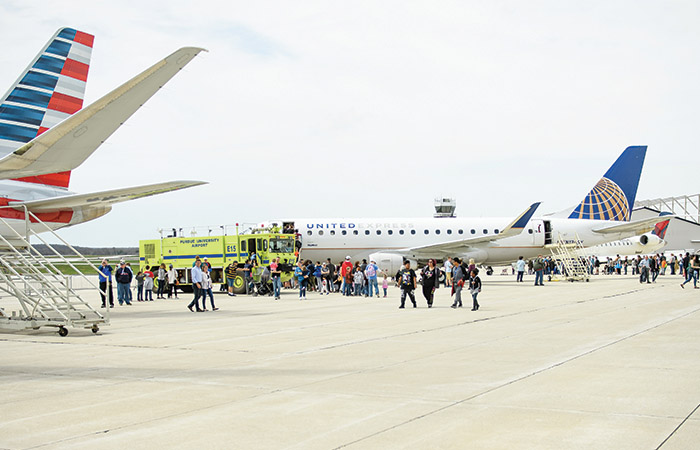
[[374, 108]]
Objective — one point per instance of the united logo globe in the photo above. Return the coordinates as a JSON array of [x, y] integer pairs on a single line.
[[606, 201]]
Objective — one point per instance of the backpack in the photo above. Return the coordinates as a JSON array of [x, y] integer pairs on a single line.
[[371, 273]]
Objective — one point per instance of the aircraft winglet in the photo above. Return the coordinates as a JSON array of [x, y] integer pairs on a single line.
[[66, 145]]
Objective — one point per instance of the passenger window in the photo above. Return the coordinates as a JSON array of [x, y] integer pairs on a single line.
[[320, 232], [355, 232], [426, 232], [400, 231], [437, 231], [390, 231], [529, 231], [461, 232], [449, 231], [379, 232], [473, 231], [345, 232], [366, 231], [413, 231], [308, 232], [486, 231], [332, 232], [495, 231]]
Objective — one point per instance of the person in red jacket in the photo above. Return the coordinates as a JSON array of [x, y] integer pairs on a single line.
[[344, 268]]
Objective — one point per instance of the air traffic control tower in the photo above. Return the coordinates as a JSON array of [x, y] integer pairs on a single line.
[[445, 207]]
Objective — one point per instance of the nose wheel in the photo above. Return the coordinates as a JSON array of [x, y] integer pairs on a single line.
[[62, 331]]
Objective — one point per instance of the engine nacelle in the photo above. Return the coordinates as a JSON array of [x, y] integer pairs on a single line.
[[644, 239], [389, 263]]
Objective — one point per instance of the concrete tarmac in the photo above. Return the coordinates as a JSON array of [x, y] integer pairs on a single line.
[[610, 364]]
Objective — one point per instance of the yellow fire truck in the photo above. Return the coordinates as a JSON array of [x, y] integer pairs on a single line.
[[181, 252]]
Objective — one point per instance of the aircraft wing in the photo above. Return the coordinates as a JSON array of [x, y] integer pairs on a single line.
[[102, 198], [66, 145], [514, 228], [634, 227]]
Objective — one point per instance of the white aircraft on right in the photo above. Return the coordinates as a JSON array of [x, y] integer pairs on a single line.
[[602, 216], [646, 244]]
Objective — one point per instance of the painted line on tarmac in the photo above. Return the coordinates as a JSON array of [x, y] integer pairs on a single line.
[[524, 377], [678, 427]]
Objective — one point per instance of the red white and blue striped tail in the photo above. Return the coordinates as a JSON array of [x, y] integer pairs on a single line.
[[49, 90]]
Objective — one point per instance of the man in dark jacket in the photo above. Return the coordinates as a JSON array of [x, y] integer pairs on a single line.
[[123, 275]]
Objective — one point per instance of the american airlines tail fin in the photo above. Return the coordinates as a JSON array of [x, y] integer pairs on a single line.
[[612, 198], [49, 90]]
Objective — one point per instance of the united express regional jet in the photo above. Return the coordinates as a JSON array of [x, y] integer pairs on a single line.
[[44, 134], [602, 216]]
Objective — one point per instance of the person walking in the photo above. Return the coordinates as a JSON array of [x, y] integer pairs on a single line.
[[520, 268], [407, 279], [474, 287], [207, 289], [106, 283], [430, 277], [276, 275], [196, 275], [385, 284], [457, 282], [318, 275], [123, 276], [691, 272]]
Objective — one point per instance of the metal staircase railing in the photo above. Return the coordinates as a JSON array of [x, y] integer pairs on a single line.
[[46, 296], [573, 258]]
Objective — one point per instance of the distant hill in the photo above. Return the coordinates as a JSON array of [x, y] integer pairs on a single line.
[[87, 251]]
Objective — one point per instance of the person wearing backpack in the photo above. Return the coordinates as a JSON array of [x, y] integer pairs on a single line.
[[371, 273], [407, 282]]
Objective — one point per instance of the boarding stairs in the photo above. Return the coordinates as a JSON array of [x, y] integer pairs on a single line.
[[46, 296], [573, 258]]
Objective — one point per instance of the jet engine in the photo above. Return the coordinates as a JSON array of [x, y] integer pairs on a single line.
[[644, 239], [389, 263]]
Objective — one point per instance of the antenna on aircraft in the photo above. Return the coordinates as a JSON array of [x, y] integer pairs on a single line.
[[445, 207]]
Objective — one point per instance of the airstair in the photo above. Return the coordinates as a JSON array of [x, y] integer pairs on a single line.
[[575, 262], [46, 296]]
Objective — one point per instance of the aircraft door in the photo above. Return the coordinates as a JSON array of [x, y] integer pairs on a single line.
[[536, 230]]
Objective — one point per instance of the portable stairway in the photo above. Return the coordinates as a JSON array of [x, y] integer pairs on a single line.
[[46, 296], [573, 258]]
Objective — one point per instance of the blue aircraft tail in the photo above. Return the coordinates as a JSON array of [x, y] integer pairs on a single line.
[[612, 198]]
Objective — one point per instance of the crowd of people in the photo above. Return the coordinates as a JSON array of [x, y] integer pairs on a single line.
[[362, 278]]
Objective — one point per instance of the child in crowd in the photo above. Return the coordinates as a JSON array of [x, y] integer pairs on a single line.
[[148, 284], [385, 285], [139, 286], [474, 287]]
